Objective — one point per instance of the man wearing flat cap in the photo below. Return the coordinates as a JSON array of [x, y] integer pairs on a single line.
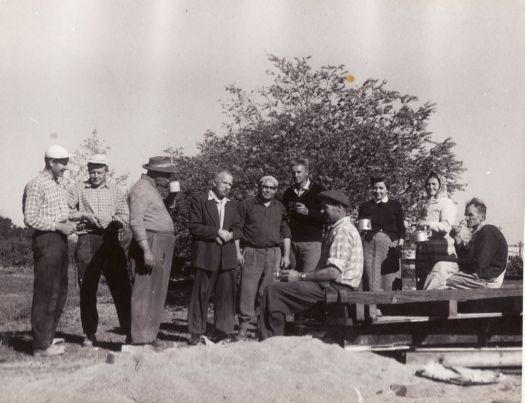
[[151, 249], [264, 228], [45, 209], [100, 209], [340, 266]]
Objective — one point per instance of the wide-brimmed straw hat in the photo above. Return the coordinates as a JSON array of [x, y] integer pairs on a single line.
[[160, 164]]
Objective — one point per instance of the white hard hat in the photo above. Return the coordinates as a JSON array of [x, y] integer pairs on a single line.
[[99, 159], [57, 152]]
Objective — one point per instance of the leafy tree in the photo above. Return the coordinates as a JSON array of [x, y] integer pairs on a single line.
[[15, 244], [347, 132]]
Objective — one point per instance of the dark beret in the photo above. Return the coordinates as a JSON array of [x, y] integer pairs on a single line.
[[336, 196]]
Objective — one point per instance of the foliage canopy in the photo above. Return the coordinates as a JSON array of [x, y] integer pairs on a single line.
[[347, 132]]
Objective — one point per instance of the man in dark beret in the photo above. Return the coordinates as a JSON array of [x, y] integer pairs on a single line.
[[340, 266]]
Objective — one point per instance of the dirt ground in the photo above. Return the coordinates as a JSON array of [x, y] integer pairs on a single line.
[[284, 369]]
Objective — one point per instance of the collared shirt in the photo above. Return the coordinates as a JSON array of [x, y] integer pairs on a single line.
[[106, 202], [44, 203], [263, 226], [300, 191], [220, 205], [147, 211], [343, 250], [383, 200]]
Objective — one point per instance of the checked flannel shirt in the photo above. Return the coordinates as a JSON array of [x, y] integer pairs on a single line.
[[106, 202], [44, 203], [343, 250]]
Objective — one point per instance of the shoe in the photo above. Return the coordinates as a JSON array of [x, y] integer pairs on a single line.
[[159, 344], [243, 334], [227, 339], [53, 349], [195, 338], [89, 340]]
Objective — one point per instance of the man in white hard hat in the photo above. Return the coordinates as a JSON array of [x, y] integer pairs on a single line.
[[100, 210], [46, 211]]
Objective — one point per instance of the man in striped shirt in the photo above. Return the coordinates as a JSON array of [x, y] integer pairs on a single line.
[[100, 210], [45, 209], [340, 266]]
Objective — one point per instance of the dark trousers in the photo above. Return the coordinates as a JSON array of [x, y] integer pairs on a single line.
[[98, 254], [49, 287], [281, 299], [150, 286], [223, 283]]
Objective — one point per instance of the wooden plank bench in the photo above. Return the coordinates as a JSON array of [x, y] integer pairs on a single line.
[[414, 315]]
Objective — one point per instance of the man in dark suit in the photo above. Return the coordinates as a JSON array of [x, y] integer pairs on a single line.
[[215, 226]]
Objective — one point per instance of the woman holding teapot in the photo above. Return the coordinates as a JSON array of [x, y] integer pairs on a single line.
[[439, 213], [383, 239]]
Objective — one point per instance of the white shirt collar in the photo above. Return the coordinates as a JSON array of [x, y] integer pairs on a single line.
[[213, 196], [383, 200], [304, 188]]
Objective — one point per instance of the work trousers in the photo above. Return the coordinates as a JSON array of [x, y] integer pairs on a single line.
[[221, 283], [281, 299], [49, 287], [98, 254], [150, 286], [257, 273], [448, 276], [305, 256], [381, 265]]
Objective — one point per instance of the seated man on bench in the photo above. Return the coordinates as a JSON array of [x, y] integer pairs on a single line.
[[481, 263], [340, 266]]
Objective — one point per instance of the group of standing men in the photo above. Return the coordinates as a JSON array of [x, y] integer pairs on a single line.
[[96, 210]]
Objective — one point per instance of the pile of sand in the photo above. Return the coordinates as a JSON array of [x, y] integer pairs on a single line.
[[282, 369]]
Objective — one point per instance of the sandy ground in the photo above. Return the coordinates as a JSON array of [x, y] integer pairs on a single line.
[[284, 369]]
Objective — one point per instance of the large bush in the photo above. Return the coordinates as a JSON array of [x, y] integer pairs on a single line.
[[348, 133]]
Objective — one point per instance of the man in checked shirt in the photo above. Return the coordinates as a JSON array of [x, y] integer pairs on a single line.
[[100, 210], [340, 266], [45, 209]]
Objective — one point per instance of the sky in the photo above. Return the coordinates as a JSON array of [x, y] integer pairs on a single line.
[[151, 74]]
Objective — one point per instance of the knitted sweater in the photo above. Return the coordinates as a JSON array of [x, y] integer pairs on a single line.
[[486, 253], [387, 217], [305, 228]]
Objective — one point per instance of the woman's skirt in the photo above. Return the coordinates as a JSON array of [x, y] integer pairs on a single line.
[[381, 271], [427, 255]]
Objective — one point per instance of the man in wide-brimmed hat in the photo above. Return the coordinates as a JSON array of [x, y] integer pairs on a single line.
[[340, 266], [46, 211], [151, 248], [101, 209]]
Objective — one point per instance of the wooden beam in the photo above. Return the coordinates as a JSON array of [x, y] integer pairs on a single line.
[[412, 296], [468, 357]]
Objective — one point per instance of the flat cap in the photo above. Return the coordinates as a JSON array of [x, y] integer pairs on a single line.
[[337, 196]]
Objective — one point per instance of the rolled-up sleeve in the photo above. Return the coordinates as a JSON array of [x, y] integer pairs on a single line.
[[32, 202], [339, 252]]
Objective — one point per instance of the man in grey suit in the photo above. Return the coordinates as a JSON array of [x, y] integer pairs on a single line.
[[215, 226]]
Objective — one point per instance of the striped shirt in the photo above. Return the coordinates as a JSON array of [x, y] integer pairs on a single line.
[[342, 249], [106, 202], [44, 203]]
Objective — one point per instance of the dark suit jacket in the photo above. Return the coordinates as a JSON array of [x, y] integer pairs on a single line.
[[206, 253]]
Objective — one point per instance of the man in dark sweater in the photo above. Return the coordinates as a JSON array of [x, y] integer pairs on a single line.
[[264, 227], [306, 222], [481, 263]]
